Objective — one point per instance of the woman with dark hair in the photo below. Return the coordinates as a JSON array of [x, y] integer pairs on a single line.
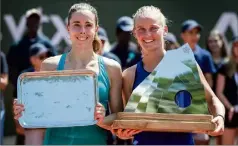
[[82, 28], [227, 91]]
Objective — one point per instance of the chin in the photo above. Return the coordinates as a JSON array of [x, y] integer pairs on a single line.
[[192, 44], [82, 43], [150, 48]]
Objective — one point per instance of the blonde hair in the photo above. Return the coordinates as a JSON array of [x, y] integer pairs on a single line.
[[145, 10], [148, 10], [84, 6]]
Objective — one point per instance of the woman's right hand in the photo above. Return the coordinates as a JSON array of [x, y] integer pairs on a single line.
[[17, 109]]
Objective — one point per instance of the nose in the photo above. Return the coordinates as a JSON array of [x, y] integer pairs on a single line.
[[82, 30], [147, 33]]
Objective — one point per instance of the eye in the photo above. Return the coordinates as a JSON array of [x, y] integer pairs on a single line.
[[154, 28], [141, 30], [76, 24], [89, 25], [210, 41]]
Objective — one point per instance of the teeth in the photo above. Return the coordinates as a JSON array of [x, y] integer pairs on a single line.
[[81, 39], [148, 41]]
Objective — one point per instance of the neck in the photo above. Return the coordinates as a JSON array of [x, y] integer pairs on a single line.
[[152, 59], [193, 47], [216, 55], [81, 55]]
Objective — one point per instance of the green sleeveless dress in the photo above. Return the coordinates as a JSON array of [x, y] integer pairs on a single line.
[[82, 135]]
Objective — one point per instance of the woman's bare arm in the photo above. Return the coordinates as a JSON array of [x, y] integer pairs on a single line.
[[115, 101], [214, 104], [128, 79]]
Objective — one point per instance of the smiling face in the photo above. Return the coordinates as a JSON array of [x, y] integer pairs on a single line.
[[149, 31], [214, 43], [82, 28]]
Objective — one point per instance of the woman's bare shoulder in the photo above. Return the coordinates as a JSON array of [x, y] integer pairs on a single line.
[[113, 68], [129, 72]]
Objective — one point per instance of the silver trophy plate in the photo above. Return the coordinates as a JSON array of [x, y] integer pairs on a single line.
[[57, 99]]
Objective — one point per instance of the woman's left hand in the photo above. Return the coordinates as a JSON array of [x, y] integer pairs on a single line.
[[219, 121], [125, 133], [99, 113]]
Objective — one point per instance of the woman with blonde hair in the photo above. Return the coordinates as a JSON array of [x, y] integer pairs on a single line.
[[149, 31]]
